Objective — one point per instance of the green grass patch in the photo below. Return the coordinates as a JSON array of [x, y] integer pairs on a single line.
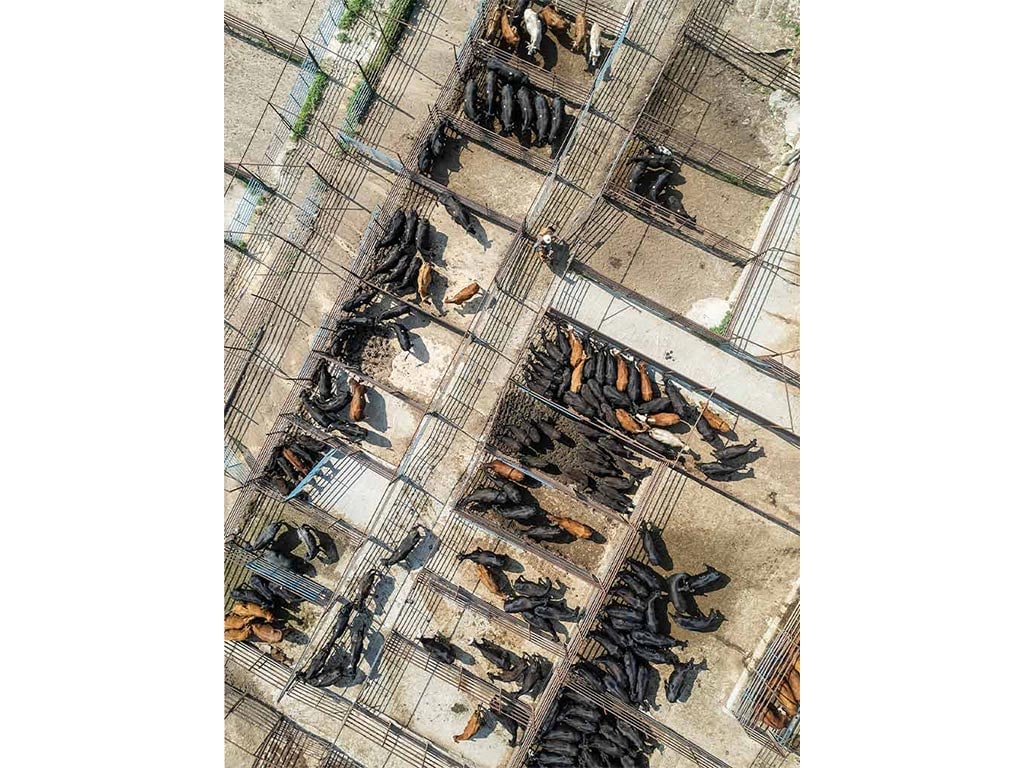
[[353, 10], [313, 98], [720, 328], [359, 101]]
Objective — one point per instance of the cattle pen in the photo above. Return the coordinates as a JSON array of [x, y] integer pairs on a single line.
[[442, 393]]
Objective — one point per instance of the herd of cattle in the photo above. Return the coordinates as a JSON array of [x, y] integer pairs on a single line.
[[262, 607], [330, 401], [608, 386], [404, 272], [508, 96], [538, 603], [518, 507], [584, 734], [649, 176], [291, 461], [599, 468], [633, 628], [573, 31]]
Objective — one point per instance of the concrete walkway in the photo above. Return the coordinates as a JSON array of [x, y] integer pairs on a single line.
[[634, 326]]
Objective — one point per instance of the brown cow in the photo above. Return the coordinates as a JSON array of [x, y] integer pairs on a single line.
[[508, 32], [465, 294], [553, 20], [578, 32]]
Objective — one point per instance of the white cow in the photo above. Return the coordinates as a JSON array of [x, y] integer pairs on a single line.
[[534, 28], [595, 44]]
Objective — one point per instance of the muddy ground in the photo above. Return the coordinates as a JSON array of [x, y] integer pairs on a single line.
[[517, 408]]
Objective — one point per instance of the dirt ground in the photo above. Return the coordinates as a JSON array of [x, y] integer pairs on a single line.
[[280, 17], [250, 76], [724, 208], [774, 476], [736, 114], [769, 27], [658, 264], [412, 79], [523, 563], [492, 179]]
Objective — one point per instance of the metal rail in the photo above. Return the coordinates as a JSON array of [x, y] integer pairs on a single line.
[[765, 680], [691, 386], [753, 63], [705, 157], [500, 144], [540, 78], [239, 27], [459, 677], [718, 245], [510, 536], [657, 730], [769, 367]]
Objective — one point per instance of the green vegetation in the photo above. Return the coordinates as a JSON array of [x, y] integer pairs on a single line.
[[353, 10], [313, 98], [720, 328], [397, 11]]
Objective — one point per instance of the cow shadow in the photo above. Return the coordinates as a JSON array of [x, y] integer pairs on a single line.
[[449, 163], [487, 728], [479, 234], [418, 348], [438, 289], [293, 635], [438, 244], [423, 551], [687, 689], [474, 305], [547, 50], [740, 462], [568, 123], [382, 590], [598, 538], [462, 657]]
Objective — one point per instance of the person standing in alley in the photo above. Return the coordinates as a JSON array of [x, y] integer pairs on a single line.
[[545, 242]]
